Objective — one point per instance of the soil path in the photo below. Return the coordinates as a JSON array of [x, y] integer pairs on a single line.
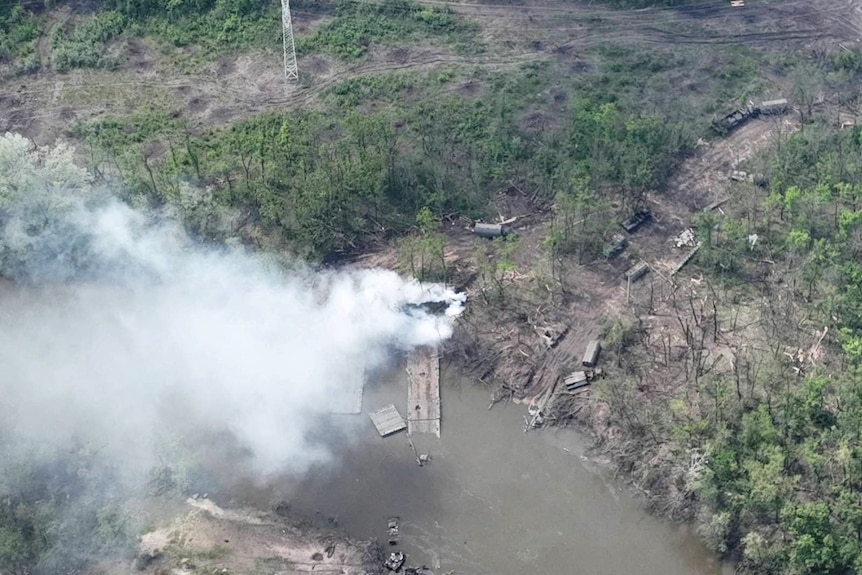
[[235, 87], [598, 290]]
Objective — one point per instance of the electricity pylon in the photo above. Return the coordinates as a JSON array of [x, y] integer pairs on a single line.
[[290, 70]]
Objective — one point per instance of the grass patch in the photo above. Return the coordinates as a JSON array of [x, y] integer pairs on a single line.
[[122, 96], [384, 87], [19, 32], [390, 88], [328, 181], [358, 25], [204, 30], [215, 553], [85, 46], [689, 84], [215, 33], [118, 133]]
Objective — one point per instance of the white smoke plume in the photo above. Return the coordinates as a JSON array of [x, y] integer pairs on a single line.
[[114, 322]]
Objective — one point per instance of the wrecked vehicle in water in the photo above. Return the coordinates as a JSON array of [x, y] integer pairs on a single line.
[[395, 561], [392, 525]]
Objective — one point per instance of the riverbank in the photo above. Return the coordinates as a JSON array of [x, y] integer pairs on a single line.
[[530, 317], [199, 536], [492, 500]]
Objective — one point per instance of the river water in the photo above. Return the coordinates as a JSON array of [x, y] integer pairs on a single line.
[[493, 500]]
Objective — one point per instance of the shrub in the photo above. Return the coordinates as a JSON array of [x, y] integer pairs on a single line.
[[358, 24], [84, 47]]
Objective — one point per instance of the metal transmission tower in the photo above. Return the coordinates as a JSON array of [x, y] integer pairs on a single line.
[[291, 72]]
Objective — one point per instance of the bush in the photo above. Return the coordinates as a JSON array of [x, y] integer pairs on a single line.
[[85, 46], [212, 27], [18, 34], [359, 24]]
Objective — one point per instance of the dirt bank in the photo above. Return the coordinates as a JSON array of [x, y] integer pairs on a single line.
[[503, 340], [203, 537]]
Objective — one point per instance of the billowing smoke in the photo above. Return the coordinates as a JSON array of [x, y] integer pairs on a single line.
[[116, 324]]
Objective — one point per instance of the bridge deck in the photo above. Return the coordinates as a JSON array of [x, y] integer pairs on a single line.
[[423, 391], [387, 420]]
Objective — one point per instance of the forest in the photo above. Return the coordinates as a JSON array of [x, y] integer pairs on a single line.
[[327, 186], [763, 455], [784, 452], [764, 459]]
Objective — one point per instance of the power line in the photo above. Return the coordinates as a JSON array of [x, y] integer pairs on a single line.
[[634, 13], [605, 16], [604, 29], [291, 71]]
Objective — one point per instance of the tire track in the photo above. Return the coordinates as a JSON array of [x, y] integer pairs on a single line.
[[578, 27], [242, 104]]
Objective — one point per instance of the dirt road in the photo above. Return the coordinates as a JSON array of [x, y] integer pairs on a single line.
[[512, 351], [232, 88], [43, 105]]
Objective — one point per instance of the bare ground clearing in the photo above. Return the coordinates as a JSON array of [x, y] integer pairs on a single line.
[[504, 343], [236, 87], [204, 537], [510, 351]]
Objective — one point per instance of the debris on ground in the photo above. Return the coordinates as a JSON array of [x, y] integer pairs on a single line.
[[394, 529], [552, 335], [757, 179], [686, 239], [578, 380], [637, 271], [716, 204], [421, 458], [685, 260], [537, 410], [640, 217], [591, 355], [395, 561], [387, 420], [617, 244], [489, 230]]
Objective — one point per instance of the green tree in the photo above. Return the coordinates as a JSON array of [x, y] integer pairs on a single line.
[[813, 546], [424, 255], [496, 261]]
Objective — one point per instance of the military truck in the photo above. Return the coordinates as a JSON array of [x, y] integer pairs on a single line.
[[772, 107], [725, 125], [636, 220], [615, 247]]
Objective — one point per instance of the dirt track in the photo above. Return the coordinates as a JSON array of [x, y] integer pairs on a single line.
[[42, 106], [514, 354], [237, 87]]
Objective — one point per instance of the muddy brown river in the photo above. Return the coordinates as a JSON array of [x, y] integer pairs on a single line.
[[493, 500]]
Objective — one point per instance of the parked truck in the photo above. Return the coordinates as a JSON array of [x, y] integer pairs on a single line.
[[726, 124], [636, 220], [591, 356]]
